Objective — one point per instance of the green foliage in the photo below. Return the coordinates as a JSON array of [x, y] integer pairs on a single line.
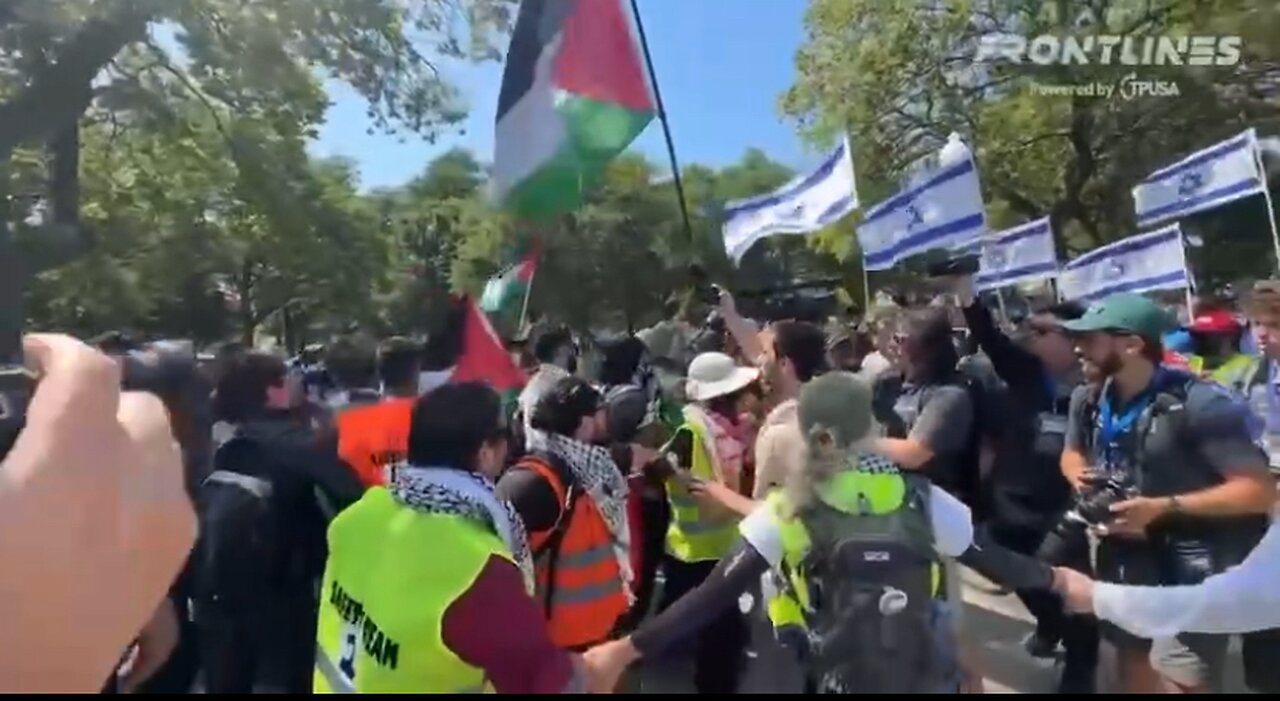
[[185, 187], [899, 77]]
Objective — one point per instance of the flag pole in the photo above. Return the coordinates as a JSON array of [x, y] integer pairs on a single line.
[[524, 307], [866, 288], [1004, 311], [662, 117], [536, 252], [1266, 193]]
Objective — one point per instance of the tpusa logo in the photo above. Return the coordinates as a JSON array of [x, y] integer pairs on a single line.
[[1131, 88], [1121, 36]]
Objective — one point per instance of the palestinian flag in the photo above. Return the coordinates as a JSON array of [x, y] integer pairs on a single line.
[[507, 290], [467, 349], [574, 95]]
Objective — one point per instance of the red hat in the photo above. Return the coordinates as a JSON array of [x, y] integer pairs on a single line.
[[1216, 322]]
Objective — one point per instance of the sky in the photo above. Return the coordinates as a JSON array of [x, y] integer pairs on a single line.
[[721, 66]]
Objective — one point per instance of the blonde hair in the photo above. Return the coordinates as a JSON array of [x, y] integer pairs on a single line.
[[824, 459]]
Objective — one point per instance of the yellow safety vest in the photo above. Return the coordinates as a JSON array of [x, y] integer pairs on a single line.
[[878, 493], [382, 610], [1235, 373], [694, 536]]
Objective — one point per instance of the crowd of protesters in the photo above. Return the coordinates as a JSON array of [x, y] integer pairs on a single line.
[[369, 525]]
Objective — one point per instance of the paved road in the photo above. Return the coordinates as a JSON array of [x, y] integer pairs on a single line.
[[995, 624]]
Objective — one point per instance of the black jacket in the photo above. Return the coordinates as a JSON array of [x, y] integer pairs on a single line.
[[1027, 488]]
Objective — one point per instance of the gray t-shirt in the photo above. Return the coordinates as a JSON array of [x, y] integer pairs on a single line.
[[940, 417]]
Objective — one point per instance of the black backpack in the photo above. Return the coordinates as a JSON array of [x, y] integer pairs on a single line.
[[248, 546], [874, 625], [992, 423]]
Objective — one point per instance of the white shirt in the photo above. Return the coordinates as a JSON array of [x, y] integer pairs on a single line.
[[952, 528], [1243, 599]]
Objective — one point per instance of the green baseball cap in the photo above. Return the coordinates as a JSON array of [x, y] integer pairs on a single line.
[[1125, 312]]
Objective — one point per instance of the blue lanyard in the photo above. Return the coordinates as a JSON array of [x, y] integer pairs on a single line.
[[1111, 427]]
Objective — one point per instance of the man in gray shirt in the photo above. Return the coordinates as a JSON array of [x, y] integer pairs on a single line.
[[1196, 489], [927, 411]]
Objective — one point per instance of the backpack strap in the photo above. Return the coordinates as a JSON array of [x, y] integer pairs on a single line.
[[1089, 417], [560, 478], [1165, 402]]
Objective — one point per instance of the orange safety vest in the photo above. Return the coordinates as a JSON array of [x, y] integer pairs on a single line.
[[579, 580], [373, 437]]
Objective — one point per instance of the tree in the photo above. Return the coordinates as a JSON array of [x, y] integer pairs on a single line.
[[257, 59], [428, 222], [192, 242], [454, 175], [899, 76]]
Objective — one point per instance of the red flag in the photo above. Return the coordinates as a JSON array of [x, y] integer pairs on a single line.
[[482, 357]]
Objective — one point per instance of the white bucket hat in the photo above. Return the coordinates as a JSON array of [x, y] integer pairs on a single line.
[[714, 375]]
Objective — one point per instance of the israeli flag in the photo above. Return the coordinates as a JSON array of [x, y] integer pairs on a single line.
[[942, 210], [1022, 254], [1222, 173], [802, 206], [1142, 263]]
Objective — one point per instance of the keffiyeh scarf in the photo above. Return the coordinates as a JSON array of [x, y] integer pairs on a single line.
[[596, 473], [468, 495], [724, 444], [647, 380]]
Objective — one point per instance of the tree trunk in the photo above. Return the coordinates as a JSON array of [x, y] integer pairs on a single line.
[[248, 320], [56, 94]]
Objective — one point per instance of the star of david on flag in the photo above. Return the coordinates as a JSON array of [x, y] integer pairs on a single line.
[[941, 208], [1024, 253], [1142, 263], [1211, 177]]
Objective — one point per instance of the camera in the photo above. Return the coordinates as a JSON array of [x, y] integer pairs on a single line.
[[15, 389], [704, 290], [1094, 505], [709, 294], [167, 369], [170, 370], [958, 265], [1092, 508]]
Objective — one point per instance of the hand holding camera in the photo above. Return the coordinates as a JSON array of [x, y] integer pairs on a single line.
[[1098, 493], [958, 274], [98, 521], [1132, 517]]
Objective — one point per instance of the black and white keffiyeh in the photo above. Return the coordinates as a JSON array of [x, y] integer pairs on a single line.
[[596, 473], [468, 495]]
